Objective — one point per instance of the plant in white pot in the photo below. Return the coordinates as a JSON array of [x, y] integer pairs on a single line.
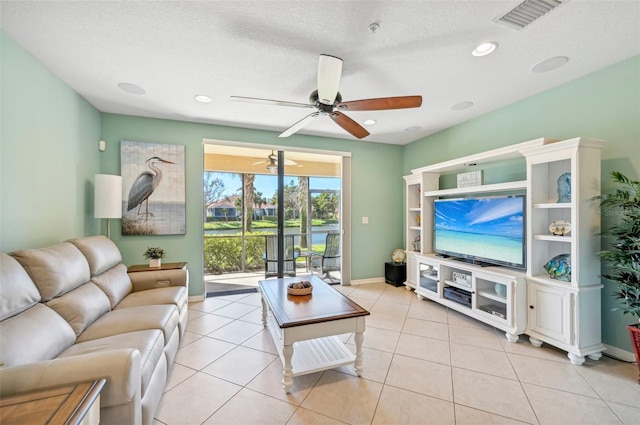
[[154, 255], [623, 255]]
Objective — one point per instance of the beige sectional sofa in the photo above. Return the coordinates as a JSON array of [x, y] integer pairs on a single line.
[[71, 313]]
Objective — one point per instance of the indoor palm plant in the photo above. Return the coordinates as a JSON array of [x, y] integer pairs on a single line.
[[154, 255], [623, 254]]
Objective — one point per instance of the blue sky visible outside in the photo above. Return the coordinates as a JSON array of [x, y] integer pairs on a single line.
[[489, 216], [268, 183]]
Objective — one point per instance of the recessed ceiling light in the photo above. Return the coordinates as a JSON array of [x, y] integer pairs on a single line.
[[132, 88], [549, 64], [485, 48], [413, 128], [369, 122], [462, 105], [203, 98]]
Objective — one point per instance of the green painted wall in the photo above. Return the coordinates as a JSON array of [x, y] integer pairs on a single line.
[[376, 187], [48, 154], [602, 105]]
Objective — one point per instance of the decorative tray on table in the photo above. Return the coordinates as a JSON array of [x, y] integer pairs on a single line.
[[300, 288]]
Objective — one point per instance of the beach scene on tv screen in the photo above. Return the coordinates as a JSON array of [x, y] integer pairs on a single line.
[[490, 228]]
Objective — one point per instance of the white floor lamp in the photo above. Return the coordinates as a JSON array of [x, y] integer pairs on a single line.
[[107, 198]]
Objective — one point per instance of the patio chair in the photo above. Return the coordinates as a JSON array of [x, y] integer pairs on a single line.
[[329, 261], [271, 257]]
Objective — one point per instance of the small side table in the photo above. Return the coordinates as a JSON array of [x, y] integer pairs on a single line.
[[73, 404], [163, 266], [395, 273]]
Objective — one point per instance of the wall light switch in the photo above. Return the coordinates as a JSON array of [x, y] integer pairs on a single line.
[[365, 220]]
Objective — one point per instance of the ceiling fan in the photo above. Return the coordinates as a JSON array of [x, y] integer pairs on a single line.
[[328, 101]]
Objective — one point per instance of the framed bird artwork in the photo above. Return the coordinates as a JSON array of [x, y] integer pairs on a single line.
[[153, 188]]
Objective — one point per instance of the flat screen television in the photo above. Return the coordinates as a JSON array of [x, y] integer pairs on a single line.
[[482, 230]]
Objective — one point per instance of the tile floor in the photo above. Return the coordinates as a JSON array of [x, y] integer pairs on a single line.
[[424, 364]]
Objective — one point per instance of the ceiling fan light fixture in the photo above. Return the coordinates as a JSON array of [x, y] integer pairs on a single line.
[[272, 167], [203, 98], [483, 49], [369, 122]]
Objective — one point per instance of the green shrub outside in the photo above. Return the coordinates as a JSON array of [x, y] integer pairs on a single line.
[[223, 253]]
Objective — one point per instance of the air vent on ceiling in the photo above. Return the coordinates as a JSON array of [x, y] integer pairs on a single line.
[[527, 12]]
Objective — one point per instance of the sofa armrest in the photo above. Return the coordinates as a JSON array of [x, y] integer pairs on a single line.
[[120, 367], [151, 279]]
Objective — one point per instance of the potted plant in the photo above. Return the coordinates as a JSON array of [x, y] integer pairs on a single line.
[[154, 255], [623, 255]]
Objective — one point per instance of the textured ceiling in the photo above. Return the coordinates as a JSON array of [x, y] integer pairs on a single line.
[[270, 49]]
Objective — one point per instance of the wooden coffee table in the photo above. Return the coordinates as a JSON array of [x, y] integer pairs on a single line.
[[305, 328]]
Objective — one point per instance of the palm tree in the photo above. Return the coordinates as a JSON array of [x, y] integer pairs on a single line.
[[303, 190]]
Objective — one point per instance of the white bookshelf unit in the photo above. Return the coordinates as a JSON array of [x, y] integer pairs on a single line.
[[565, 314]]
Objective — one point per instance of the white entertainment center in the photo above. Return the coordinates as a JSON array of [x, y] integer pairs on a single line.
[[563, 311]]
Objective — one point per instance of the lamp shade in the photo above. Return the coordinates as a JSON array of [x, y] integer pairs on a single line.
[[107, 196]]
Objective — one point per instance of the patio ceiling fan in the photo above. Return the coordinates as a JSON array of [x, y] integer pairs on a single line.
[[328, 101], [272, 160]]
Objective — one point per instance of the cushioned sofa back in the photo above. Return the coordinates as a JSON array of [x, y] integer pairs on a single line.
[[61, 274], [29, 330], [105, 263]]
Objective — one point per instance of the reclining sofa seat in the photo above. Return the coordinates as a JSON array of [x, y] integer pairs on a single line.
[[68, 313]]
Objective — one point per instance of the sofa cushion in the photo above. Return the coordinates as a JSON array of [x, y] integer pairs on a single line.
[[17, 291], [115, 283], [36, 334], [162, 317], [101, 253], [82, 306], [176, 295], [150, 343], [56, 269]]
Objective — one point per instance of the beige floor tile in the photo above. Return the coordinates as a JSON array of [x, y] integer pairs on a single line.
[[427, 310], [235, 310], [376, 364], [240, 365], [558, 407], [426, 328], [200, 353], [482, 360], [307, 417], [628, 414], [397, 406], [208, 304], [188, 338], [261, 341], [369, 291], [366, 303], [388, 316], [207, 323], [232, 298], [550, 374], [379, 339], [269, 382], [236, 332], [397, 295], [421, 376], [178, 374], [492, 394], [468, 416], [194, 314], [248, 407], [456, 318], [195, 399], [254, 316], [478, 337], [252, 299], [613, 380], [524, 347], [344, 397], [434, 350], [346, 290]]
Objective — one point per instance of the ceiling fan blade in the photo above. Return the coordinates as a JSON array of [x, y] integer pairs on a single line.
[[271, 102], [329, 73], [298, 126], [382, 103], [349, 125]]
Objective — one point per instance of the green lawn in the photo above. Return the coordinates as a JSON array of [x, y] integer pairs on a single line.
[[260, 224]]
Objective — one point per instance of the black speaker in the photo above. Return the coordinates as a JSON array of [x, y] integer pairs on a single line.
[[395, 273]]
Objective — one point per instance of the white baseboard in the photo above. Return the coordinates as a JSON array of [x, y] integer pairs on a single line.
[[196, 298], [619, 353], [365, 281]]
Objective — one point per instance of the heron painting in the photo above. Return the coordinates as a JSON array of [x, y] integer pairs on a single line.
[[153, 188]]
